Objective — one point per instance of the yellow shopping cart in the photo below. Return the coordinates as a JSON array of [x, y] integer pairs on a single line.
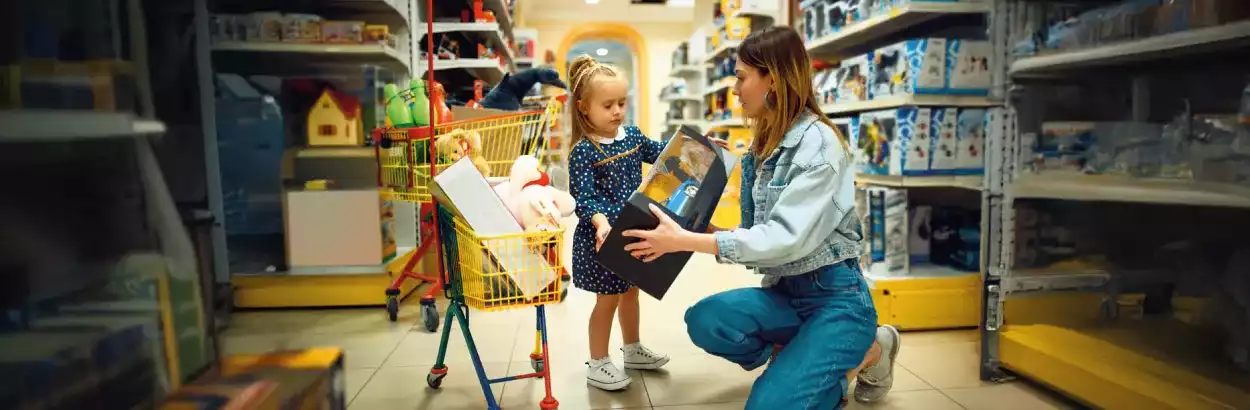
[[487, 273]]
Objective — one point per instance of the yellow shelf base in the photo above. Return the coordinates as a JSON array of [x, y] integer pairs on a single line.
[[928, 303], [1134, 365], [303, 291]]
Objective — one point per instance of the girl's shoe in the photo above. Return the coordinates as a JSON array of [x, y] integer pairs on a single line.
[[604, 375], [638, 357], [876, 381]]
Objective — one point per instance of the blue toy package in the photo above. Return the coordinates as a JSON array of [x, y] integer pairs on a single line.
[[681, 197], [876, 227], [896, 142], [945, 141], [970, 140], [852, 79], [967, 67], [911, 67], [876, 137]]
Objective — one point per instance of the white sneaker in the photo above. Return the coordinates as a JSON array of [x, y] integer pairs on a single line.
[[876, 381], [602, 374], [638, 357]]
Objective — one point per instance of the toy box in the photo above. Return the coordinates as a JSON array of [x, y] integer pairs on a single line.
[[826, 86], [851, 79], [737, 28], [908, 68], [686, 182], [919, 233], [970, 139], [1063, 146], [888, 230], [945, 141], [296, 379], [813, 19], [302, 28], [343, 32], [897, 141], [847, 127], [968, 67], [841, 13]]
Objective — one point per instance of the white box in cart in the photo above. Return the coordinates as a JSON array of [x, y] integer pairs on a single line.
[[945, 141], [968, 67], [970, 131]]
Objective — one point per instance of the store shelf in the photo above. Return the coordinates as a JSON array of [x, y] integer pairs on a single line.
[[490, 31], [917, 271], [722, 49], [1022, 281], [972, 182], [693, 123], [905, 101], [1108, 188], [500, 8], [1131, 364], [928, 297], [753, 12], [728, 123], [393, 13], [688, 70], [858, 35], [1168, 46], [719, 86], [301, 54], [309, 288], [686, 97], [484, 69], [68, 125]]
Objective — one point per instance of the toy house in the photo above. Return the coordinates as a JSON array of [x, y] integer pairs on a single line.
[[335, 120]]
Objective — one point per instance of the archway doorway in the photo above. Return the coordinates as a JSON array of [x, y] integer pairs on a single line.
[[618, 54], [630, 38]]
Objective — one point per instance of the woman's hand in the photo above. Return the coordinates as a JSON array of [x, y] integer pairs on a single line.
[[711, 137], [668, 237]]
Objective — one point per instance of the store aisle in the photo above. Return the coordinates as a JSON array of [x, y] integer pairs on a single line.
[[387, 363]]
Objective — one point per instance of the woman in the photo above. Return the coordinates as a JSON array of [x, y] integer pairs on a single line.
[[814, 315]]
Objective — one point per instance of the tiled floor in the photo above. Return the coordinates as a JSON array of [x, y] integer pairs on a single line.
[[388, 362]]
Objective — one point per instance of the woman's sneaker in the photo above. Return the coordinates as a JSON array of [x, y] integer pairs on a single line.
[[602, 374], [638, 357], [876, 381]]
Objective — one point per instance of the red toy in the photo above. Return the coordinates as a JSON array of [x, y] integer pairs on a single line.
[[476, 102], [438, 98]]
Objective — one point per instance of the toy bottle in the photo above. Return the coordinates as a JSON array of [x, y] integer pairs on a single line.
[[420, 103], [397, 111], [438, 97]]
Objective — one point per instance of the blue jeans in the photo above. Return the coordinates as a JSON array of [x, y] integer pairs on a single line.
[[824, 318]]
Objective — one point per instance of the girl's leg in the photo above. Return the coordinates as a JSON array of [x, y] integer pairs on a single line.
[[600, 372], [637, 356]]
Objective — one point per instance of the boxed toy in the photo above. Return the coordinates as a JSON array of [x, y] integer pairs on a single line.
[[737, 28], [908, 68], [919, 233], [1063, 146], [686, 183], [852, 79], [945, 141], [970, 131], [968, 67], [956, 238], [813, 19], [888, 230], [897, 141], [846, 126], [841, 13]]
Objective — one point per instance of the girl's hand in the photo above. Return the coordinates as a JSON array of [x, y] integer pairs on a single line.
[[601, 234], [711, 137], [668, 237]]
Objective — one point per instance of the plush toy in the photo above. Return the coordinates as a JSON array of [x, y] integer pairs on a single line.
[[530, 197], [508, 94], [459, 144]]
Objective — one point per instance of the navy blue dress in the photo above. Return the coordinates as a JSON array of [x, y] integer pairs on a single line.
[[601, 178]]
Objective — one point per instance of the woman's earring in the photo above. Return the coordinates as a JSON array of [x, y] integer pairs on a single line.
[[770, 100]]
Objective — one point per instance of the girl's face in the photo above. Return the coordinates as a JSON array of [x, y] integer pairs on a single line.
[[604, 105], [752, 89]]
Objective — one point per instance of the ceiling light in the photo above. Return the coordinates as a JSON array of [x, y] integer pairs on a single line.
[[602, 52], [680, 3], [592, 1]]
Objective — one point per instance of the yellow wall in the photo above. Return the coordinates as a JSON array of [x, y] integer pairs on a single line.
[[659, 39]]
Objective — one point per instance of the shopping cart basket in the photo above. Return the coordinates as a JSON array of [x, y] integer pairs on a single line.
[[404, 174], [499, 272]]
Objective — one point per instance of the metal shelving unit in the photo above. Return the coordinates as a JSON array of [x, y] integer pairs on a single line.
[[1062, 325]]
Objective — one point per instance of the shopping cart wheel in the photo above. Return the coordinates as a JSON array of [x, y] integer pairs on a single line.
[[429, 316], [435, 380], [538, 365], [392, 308]]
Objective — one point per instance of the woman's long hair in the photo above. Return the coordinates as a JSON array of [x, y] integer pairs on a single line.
[[778, 52]]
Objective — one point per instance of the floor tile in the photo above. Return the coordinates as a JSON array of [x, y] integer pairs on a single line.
[[699, 379], [904, 380], [404, 388], [910, 400], [714, 406], [356, 380], [1021, 395], [494, 343], [935, 337], [944, 366], [568, 386], [361, 350]]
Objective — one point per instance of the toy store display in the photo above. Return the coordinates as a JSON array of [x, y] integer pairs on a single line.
[[1077, 27], [275, 27], [293, 379], [930, 66], [334, 120], [920, 141], [902, 237], [686, 183]]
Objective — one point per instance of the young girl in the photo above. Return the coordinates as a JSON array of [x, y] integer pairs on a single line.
[[605, 167]]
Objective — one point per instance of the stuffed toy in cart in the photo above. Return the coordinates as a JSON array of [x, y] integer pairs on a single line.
[[537, 206], [461, 143], [508, 94]]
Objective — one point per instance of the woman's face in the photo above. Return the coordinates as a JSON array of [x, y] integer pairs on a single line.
[[751, 88]]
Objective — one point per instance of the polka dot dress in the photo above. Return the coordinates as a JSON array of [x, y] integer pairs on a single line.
[[601, 179]]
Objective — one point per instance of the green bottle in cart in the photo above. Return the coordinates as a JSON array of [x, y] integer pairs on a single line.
[[397, 110], [420, 103]]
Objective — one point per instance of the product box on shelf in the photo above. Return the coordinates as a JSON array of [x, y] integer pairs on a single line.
[[908, 68], [297, 379], [839, 14], [955, 238], [826, 85], [945, 141], [302, 28], [888, 230], [919, 233], [896, 141], [737, 28], [967, 67], [686, 183], [813, 19], [343, 32], [1063, 146], [970, 137], [848, 127], [852, 79]]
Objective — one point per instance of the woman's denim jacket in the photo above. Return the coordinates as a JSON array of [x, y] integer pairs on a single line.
[[797, 207]]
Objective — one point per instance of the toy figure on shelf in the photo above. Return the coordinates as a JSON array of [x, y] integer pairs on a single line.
[[335, 120], [398, 113], [512, 88], [448, 49], [476, 102], [438, 97], [459, 144], [486, 52]]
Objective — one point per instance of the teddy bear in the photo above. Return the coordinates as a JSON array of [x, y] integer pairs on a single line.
[[460, 143], [528, 194]]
